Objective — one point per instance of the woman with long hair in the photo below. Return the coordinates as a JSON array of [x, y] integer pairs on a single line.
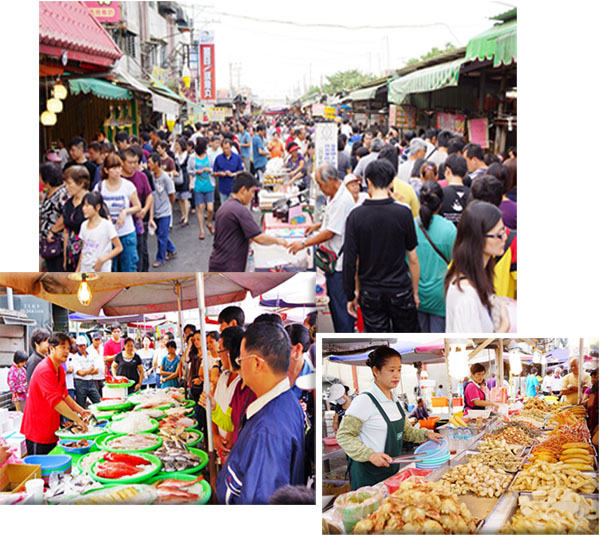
[[435, 237], [375, 425], [471, 302], [182, 189]]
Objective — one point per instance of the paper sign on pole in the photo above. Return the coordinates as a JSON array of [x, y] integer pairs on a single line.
[[478, 132], [325, 144]]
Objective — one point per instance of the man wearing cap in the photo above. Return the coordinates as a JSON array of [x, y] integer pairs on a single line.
[[340, 400], [84, 367], [352, 184], [417, 150]]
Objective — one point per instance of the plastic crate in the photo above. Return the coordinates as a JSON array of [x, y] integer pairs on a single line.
[[439, 402], [429, 423]]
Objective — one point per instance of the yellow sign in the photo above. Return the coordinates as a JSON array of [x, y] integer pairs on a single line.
[[329, 112], [159, 74]]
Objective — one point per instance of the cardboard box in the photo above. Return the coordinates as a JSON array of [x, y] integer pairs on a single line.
[[14, 476]]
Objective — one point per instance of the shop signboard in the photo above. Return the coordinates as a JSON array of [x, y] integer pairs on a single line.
[[207, 66], [455, 123], [478, 132], [329, 112], [406, 116], [159, 74], [318, 109], [325, 144], [392, 120], [217, 114], [105, 11]]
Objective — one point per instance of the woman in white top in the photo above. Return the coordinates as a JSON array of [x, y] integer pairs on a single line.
[[375, 424], [122, 201], [471, 303], [147, 356]]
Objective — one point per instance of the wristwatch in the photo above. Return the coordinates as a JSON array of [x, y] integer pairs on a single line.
[[304, 243]]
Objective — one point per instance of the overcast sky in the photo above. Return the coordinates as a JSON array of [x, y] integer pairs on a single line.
[[275, 59]]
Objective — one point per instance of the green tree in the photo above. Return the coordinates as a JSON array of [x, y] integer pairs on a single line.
[[346, 80], [434, 52]]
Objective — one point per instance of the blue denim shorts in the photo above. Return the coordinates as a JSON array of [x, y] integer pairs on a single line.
[[200, 197]]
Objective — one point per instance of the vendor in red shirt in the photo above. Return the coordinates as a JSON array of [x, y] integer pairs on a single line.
[[113, 346], [48, 399]]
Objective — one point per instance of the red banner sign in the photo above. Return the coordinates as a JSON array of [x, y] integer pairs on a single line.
[[105, 11], [207, 67]]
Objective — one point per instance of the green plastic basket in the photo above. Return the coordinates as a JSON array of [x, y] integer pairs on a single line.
[[184, 477], [102, 445], [151, 430], [124, 405], [119, 385], [203, 462], [93, 434], [156, 462]]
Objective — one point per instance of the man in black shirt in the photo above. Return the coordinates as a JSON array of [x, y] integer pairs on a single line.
[[455, 193], [77, 147], [379, 234], [39, 342]]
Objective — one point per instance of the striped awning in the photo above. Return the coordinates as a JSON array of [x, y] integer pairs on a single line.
[[424, 80], [499, 43], [99, 88]]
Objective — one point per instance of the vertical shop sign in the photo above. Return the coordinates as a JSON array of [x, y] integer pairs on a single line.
[[207, 66], [325, 144]]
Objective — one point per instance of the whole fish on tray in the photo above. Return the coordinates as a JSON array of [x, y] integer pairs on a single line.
[[176, 457], [176, 491]]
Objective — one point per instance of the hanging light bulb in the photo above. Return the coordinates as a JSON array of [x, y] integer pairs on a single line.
[[54, 105], [84, 293], [48, 118], [60, 91], [186, 76]]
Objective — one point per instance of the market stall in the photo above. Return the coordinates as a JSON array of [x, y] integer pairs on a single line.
[[120, 415], [529, 467]]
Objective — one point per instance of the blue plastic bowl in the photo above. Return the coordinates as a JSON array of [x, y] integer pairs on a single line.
[[432, 449], [50, 463], [85, 449]]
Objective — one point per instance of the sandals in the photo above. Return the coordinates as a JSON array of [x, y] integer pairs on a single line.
[[168, 256], [157, 264], [201, 237], [185, 224], [210, 228]]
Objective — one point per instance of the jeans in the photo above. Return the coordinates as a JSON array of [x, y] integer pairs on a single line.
[[128, 259], [223, 197], [338, 304], [165, 245], [431, 323], [259, 171], [86, 389], [389, 312], [143, 259], [246, 162]]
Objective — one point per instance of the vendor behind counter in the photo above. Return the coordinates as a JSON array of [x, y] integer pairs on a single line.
[[375, 425]]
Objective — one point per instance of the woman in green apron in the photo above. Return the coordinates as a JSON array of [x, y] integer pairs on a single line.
[[375, 424]]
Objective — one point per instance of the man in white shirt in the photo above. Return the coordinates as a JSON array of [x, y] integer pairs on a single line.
[[417, 150], [331, 236], [557, 381], [376, 145], [96, 351], [84, 369]]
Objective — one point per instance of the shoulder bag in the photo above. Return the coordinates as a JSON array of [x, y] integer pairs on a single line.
[[431, 242]]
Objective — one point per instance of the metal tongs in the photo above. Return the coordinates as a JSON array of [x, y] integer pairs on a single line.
[[404, 459]]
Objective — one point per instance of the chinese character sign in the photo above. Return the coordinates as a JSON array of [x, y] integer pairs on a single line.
[[452, 122], [325, 144], [105, 11], [478, 132], [207, 66]]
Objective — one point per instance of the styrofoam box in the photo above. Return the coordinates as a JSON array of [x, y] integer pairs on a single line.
[[18, 445]]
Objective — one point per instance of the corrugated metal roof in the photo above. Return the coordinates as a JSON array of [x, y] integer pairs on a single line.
[[71, 26]]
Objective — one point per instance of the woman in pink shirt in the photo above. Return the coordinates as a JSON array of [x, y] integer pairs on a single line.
[[476, 392]]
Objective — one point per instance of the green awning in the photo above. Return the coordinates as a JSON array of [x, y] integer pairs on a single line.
[[99, 88], [163, 89], [367, 93], [499, 43], [424, 80]]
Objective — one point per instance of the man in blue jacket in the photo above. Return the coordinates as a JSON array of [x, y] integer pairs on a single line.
[[269, 452]]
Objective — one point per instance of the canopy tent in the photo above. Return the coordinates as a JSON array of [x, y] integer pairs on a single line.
[[411, 352], [99, 88], [123, 77], [290, 294], [425, 80], [129, 293], [79, 317], [498, 43]]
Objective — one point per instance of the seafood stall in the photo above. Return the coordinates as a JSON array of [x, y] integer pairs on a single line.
[[511, 477]]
